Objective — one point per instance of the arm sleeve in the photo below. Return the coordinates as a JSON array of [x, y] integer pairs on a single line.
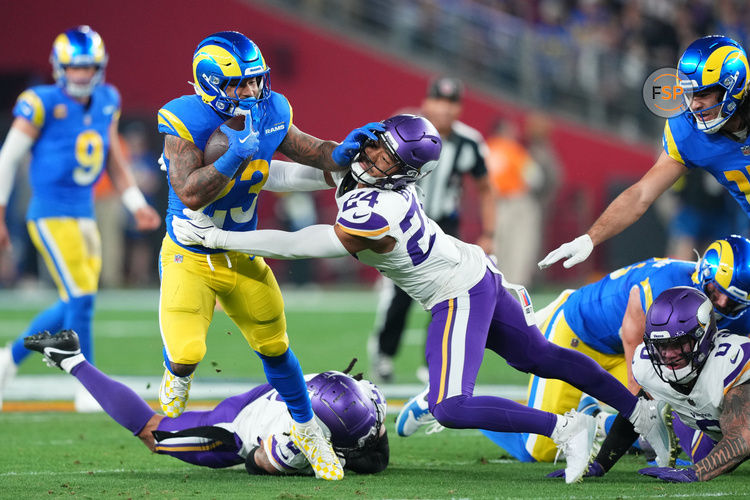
[[312, 242], [285, 176], [619, 439], [15, 148]]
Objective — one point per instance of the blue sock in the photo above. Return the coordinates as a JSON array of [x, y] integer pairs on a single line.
[[51, 319], [285, 375], [79, 315]]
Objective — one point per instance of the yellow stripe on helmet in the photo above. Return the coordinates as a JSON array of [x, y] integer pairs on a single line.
[[62, 48], [712, 68], [725, 269], [221, 57]]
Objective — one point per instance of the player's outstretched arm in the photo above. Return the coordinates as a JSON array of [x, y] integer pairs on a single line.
[[318, 241], [734, 447], [624, 210], [287, 176], [326, 155]]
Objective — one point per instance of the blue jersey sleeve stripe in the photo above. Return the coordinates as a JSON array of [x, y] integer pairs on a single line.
[[670, 146], [170, 120]]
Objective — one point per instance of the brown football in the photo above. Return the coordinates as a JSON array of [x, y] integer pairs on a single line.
[[218, 144]]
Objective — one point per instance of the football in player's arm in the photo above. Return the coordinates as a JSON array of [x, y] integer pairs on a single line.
[[710, 134], [703, 374]]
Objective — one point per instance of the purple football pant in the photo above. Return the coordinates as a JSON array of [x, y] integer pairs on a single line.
[[695, 443], [488, 316], [192, 437]]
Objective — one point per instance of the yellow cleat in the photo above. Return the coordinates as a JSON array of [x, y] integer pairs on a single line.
[[318, 450], [174, 393]]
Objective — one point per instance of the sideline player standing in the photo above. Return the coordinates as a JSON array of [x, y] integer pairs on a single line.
[[71, 131], [711, 134]]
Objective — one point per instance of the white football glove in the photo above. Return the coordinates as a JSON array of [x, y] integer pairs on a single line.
[[199, 229], [575, 251]]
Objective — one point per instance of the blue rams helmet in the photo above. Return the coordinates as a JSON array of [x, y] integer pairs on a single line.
[[224, 59], [726, 266], [715, 61], [78, 47]]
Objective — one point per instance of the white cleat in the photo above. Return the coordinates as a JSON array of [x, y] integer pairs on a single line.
[[574, 436], [415, 414], [174, 392], [8, 370], [318, 450], [653, 421]]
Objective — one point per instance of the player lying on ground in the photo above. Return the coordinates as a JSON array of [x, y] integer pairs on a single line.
[[382, 223], [252, 428], [703, 374]]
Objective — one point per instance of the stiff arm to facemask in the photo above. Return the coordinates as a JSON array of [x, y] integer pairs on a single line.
[[312, 242]]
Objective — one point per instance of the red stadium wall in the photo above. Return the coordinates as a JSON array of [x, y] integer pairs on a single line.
[[333, 84]]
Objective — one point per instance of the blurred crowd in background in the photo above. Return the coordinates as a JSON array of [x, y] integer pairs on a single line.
[[586, 59]]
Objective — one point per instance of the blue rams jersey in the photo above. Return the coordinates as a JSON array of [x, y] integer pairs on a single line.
[[235, 209], [726, 159], [595, 312], [70, 153]]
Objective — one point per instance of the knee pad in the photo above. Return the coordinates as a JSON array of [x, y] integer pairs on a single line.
[[190, 353], [274, 347]]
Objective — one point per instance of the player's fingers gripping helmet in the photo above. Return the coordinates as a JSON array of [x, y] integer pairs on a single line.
[[412, 142], [345, 409], [225, 59], [726, 266], [715, 61], [680, 330], [78, 47]]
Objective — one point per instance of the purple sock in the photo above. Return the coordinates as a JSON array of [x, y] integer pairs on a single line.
[[493, 414], [694, 443], [117, 399]]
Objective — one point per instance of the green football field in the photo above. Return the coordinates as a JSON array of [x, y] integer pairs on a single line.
[[54, 454]]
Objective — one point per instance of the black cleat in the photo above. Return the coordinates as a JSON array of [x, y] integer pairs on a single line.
[[55, 348]]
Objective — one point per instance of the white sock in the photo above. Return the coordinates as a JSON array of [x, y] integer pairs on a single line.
[[68, 364]]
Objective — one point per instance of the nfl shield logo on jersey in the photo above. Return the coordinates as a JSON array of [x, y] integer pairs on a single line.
[[745, 149], [178, 258]]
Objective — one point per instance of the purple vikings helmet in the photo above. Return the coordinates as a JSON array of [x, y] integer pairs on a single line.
[[726, 265], [412, 141], [680, 331], [343, 407]]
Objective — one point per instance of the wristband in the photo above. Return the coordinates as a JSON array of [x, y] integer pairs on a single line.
[[228, 164], [133, 199]]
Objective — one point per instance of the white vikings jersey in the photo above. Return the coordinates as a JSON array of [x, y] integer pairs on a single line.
[[267, 419], [426, 263], [727, 366]]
